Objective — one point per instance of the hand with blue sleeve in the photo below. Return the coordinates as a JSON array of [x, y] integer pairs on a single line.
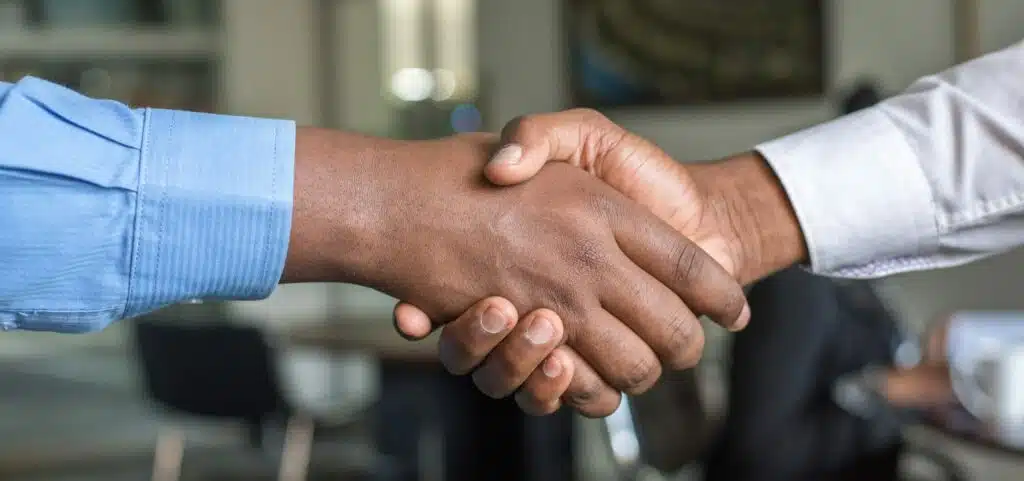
[[111, 212]]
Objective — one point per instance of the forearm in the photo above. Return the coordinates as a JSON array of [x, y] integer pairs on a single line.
[[930, 178], [335, 229]]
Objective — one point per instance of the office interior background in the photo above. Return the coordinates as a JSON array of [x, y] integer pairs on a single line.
[[79, 407]]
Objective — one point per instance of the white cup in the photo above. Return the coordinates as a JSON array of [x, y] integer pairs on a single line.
[[1009, 394], [986, 360]]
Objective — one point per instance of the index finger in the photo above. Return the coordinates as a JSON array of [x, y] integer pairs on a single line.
[[679, 263]]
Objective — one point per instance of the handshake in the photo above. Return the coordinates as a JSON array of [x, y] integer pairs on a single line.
[[567, 283]]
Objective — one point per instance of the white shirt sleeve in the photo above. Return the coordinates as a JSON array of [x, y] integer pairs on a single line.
[[931, 178]]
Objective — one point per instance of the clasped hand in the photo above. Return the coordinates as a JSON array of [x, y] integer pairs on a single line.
[[611, 287]]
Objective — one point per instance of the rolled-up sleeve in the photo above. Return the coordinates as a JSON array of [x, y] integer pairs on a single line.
[[112, 212], [931, 178]]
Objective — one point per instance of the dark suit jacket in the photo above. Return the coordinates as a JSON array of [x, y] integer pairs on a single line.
[[782, 425]]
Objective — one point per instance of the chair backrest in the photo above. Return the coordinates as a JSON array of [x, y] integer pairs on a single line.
[[217, 370]]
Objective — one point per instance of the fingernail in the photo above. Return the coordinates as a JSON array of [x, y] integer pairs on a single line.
[[743, 320], [552, 367], [492, 322], [508, 155], [540, 331]]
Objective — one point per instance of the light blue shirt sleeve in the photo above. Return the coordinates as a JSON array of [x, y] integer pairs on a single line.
[[108, 212]]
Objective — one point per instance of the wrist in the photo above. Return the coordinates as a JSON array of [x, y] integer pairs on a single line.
[[752, 211], [336, 226]]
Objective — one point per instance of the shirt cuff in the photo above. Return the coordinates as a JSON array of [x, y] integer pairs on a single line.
[[214, 208], [862, 200]]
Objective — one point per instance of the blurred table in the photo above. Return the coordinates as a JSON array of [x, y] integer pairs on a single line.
[[469, 436], [360, 335]]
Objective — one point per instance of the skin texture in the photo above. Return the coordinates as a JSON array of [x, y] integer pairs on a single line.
[[419, 221], [734, 209]]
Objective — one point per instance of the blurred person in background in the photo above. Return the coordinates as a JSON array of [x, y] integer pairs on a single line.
[[782, 423], [924, 389]]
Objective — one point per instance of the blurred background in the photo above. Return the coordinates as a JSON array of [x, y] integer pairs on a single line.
[[701, 78]]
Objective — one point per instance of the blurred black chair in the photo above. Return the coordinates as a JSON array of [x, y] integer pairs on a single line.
[[218, 371], [807, 332]]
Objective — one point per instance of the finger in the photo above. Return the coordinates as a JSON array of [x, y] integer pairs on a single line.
[[657, 315], [521, 353], [542, 392], [624, 360], [466, 341], [587, 392], [681, 265], [532, 141], [411, 322], [920, 386]]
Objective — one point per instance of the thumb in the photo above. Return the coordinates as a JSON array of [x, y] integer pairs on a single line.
[[529, 142], [510, 165], [411, 322]]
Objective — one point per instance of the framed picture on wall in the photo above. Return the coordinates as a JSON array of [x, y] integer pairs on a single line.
[[625, 53]]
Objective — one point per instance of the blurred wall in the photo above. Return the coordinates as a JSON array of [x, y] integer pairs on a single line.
[[893, 41]]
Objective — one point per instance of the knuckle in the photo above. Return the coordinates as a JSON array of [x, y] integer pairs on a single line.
[[689, 263], [574, 327], [576, 307], [585, 393], [589, 253], [683, 334], [566, 299], [690, 355], [589, 115], [522, 127], [609, 134], [639, 377], [606, 206], [582, 246]]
